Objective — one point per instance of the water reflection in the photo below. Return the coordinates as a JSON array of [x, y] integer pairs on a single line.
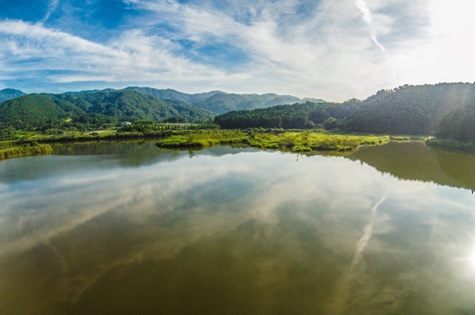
[[415, 161], [230, 232]]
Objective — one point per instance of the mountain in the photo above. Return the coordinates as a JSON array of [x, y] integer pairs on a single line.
[[37, 110], [404, 110], [445, 109], [8, 94], [223, 102], [409, 109], [132, 105], [220, 102], [170, 94]]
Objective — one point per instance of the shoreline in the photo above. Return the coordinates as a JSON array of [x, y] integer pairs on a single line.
[[286, 140]]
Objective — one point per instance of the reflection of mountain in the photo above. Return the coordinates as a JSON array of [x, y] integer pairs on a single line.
[[138, 153], [414, 161], [69, 158]]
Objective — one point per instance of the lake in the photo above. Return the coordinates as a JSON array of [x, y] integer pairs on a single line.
[[128, 228]]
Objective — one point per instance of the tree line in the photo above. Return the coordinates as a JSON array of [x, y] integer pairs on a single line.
[[445, 109]]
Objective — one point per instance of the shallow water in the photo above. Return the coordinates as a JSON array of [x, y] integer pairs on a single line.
[[127, 228]]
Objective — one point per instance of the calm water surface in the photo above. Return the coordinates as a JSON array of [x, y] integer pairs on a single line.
[[127, 228]]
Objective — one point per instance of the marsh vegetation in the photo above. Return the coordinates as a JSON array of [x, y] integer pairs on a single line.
[[295, 140]]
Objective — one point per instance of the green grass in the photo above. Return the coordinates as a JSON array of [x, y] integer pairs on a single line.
[[204, 138], [295, 141]]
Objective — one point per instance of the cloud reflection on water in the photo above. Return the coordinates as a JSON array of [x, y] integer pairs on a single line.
[[103, 221]]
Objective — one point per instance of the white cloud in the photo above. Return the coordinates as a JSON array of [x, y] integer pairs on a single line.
[[447, 52], [131, 56], [328, 55], [330, 49]]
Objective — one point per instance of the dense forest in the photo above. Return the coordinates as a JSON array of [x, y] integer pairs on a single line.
[[297, 116], [105, 107], [419, 110], [458, 124], [408, 109], [92, 108]]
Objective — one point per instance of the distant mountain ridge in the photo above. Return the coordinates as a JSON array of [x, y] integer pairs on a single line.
[[170, 94], [132, 103], [8, 94], [217, 102], [221, 102], [37, 110]]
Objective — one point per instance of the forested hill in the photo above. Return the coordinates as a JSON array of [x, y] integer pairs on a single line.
[[296, 116], [37, 110], [220, 102], [8, 94], [404, 110], [170, 94], [223, 102], [132, 105], [458, 124], [408, 109]]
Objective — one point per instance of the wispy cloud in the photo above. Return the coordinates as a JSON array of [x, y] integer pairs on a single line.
[[306, 55], [324, 49], [367, 17], [52, 5], [132, 56]]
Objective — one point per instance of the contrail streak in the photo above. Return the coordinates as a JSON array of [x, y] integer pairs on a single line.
[[367, 17], [344, 286], [51, 8], [368, 232]]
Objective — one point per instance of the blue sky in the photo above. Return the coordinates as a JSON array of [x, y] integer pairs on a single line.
[[330, 49]]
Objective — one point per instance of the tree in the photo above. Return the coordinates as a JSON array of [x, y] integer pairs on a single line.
[[330, 123]]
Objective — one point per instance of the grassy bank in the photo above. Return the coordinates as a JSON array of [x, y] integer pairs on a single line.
[[25, 149], [295, 141]]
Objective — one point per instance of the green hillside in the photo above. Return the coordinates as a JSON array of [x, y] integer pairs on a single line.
[[170, 94], [295, 116], [35, 110], [220, 102], [223, 102], [38, 110], [408, 109], [132, 105]]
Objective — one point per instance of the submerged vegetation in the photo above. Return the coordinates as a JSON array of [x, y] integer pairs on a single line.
[[295, 141]]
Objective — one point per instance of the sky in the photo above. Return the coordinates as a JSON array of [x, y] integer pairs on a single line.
[[329, 49]]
